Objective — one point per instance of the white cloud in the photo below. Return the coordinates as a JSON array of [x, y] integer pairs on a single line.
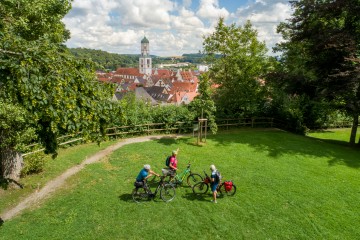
[[173, 27], [154, 13], [265, 17], [209, 9]]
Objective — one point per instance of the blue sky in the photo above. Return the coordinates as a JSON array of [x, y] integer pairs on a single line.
[[173, 27]]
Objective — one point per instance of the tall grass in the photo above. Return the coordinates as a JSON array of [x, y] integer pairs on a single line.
[[288, 187]]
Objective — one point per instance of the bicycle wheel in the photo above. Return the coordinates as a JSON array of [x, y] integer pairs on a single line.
[[223, 191], [140, 195], [167, 192], [200, 188], [194, 178]]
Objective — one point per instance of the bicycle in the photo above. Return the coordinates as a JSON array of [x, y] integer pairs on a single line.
[[203, 186], [167, 192], [178, 179]]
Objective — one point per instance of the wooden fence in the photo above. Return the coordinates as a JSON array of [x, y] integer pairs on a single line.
[[177, 127]]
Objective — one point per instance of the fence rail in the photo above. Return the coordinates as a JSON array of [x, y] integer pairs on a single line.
[[178, 127]]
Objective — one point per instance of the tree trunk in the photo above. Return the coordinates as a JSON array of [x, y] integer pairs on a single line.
[[11, 164], [354, 128]]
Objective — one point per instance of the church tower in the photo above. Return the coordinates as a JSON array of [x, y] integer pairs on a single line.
[[145, 59]]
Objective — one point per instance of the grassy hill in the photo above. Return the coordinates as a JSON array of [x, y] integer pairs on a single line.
[[288, 187]]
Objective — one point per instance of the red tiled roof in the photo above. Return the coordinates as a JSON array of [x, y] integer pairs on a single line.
[[186, 75], [179, 96], [163, 73], [128, 71], [183, 87]]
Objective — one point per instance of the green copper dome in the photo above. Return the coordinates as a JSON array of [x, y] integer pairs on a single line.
[[144, 40]]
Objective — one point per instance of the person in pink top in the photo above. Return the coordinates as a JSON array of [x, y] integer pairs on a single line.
[[173, 164]]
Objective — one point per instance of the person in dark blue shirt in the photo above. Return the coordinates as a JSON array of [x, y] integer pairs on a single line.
[[144, 174], [215, 180]]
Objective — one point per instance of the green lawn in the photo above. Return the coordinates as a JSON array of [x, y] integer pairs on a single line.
[[335, 135], [53, 167], [288, 187]]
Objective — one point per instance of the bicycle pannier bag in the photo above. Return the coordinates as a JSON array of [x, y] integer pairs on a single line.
[[228, 185]]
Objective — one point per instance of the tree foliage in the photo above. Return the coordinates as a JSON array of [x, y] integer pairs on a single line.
[[238, 70], [203, 105], [137, 112], [323, 47], [108, 61], [60, 93]]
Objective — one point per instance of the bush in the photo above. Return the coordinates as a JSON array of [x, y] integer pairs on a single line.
[[33, 163]]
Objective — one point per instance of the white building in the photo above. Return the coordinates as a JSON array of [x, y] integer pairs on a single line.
[[145, 64]]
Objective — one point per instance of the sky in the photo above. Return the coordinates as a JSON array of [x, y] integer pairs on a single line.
[[173, 27]]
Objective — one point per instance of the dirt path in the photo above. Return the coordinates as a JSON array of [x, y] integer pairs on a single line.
[[54, 184]]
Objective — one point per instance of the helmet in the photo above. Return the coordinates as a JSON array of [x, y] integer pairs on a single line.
[[147, 166], [212, 167]]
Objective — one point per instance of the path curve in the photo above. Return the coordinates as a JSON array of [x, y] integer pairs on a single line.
[[54, 184]]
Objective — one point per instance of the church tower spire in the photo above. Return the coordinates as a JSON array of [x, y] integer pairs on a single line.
[[145, 65]]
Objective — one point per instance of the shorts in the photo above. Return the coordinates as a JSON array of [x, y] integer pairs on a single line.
[[214, 186], [168, 172], [138, 184]]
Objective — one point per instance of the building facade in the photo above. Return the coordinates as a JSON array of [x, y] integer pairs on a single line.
[[145, 64]]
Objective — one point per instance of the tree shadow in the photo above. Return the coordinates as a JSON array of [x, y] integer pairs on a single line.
[[166, 140], [277, 142], [170, 140], [1, 222], [5, 183]]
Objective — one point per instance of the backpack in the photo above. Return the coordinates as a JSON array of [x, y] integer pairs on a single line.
[[218, 176], [167, 161]]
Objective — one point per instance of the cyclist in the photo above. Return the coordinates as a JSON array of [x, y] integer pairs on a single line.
[[144, 174], [215, 181], [173, 164]]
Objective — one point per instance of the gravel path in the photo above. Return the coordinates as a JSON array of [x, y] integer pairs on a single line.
[[54, 184]]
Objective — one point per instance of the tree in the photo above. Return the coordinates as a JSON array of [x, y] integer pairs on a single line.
[[38, 73], [203, 105], [328, 33], [238, 61], [15, 133]]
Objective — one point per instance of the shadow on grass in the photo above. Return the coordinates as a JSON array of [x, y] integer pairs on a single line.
[[127, 197], [332, 141], [168, 141], [196, 197], [277, 142], [1, 222], [322, 131], [5, 183]]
